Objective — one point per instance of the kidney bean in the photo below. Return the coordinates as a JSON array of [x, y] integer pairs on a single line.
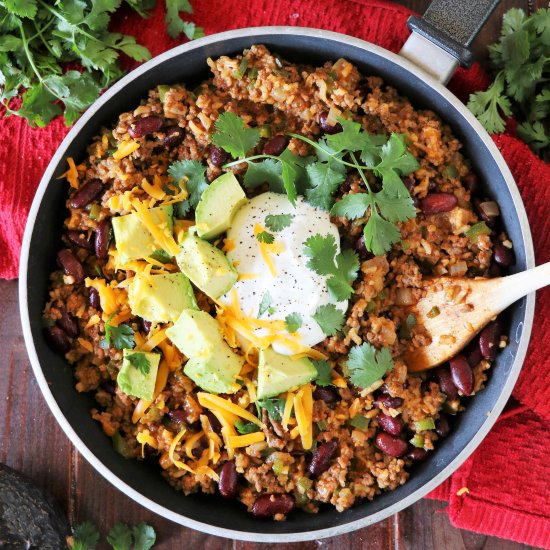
[[489, 220], [346, 186], [364, 88], [145, 125], [361, 249], [93, 298], [174, 136], [474, 355], [57, 339], [71, 264], [177, 416], [214, 422], [218, 156], [391, 445], [227, 485], [442, 426], [489, 340], [102, 239], [68, 323], [417, 454], [391, 425], [276, 145], [78, 238], [150, 455], [328, 394], [268, 505], [320, 461], [471, 182], [445, 382], [494, 270], [435, 203], [389, 402], [146, 325], [109, 386], [86, 194], [328, 128], [503, 255], [462, 374], [409, 183], [383, 389]]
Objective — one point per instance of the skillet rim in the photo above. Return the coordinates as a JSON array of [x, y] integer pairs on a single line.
[[505, 391]]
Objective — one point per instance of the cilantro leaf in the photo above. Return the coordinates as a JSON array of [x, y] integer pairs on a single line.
[[485, 106], [121, 337], [274, 407], [329, 318], [341, 268], [120, 537], [278, 222], [321, 251], [21, 8], [246, 427], [293, 321], [233, 136], [324, 181], [352, 206], [175, 25], [534, 134], [267, 171], [192, 174], [366, 365], [265, 304], [140, 362], [380, 234], [85, 536], [324, 371], [160, 255], [144, 536], [265, 237]]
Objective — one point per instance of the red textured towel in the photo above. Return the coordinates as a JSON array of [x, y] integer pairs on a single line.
[[507, 477]]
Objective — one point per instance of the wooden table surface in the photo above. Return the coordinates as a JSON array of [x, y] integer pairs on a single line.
[[31, 441]]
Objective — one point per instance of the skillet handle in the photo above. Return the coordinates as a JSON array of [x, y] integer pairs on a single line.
[[441, 38]]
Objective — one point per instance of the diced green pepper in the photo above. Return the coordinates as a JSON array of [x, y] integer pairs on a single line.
[[163, 90], [476, 230], [423, 425], [451, 171], [265, 131], [360, 422], [417, 441], [278, 467], [434, 312], [239, 73], [120, 445], [304, 484], [322, 425], [95, 210]]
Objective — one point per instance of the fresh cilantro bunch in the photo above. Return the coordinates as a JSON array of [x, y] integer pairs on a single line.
[[318, 177], [121, 537], [39, 38], [521, 64]]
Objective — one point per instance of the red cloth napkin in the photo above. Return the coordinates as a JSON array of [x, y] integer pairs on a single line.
[[507, 477]]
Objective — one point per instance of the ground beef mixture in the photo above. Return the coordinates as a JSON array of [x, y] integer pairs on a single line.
[[404, 415]]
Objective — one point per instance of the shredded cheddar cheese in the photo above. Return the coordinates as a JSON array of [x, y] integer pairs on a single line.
[[71, 175], [190, 443], [214, 402], [237, 441], [287, 410], [303, 409], [267, 249], [126, 148], [178, 463]]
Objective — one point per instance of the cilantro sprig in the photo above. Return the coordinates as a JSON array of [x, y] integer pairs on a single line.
[[265, 305], [329, 318], [324, 371], [192, 174], [274, 407], [120, 337], [339, 268], [265, 237], [278, 222], [293, 321], [121, 537], [521, 66], [366, 365], [139, 361]]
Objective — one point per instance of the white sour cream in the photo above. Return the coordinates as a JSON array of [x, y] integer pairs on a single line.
[[294, 288]]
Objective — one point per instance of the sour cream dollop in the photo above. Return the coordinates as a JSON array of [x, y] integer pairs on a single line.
[[292, 286]]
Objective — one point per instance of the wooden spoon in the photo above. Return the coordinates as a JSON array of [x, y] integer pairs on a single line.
[[455, 309]]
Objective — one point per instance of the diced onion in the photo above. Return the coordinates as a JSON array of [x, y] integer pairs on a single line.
[[490, 208], [458, 269], [404, 297]]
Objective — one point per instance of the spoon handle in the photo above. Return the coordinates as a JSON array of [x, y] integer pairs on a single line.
[[514, 287]]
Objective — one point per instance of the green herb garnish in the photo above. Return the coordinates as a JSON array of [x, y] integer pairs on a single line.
[[85, 536], [140, 362], [329, 318], [265, 304], [366, 365], [277, 222], [121, 337], [265, 237], [175, 25], [161, 256], [293, 322], [233, 136], [324, 373], [246, 427], [339, 268], [274, 407], [192, 174]]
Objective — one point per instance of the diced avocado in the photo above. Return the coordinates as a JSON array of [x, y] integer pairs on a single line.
[[279, 373], [206, 266], [161, 298], [133, 240], [217, 372], [218, 205], [195, 333], [138, 373]]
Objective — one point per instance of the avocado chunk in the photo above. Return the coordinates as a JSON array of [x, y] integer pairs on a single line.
[[195, 333], [279, 373], [133, 240], [138, 373], [218, 205], [161, 298], [206, 266], [217, 372]]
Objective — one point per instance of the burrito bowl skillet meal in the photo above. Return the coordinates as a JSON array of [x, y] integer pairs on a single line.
[[238, 277]]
